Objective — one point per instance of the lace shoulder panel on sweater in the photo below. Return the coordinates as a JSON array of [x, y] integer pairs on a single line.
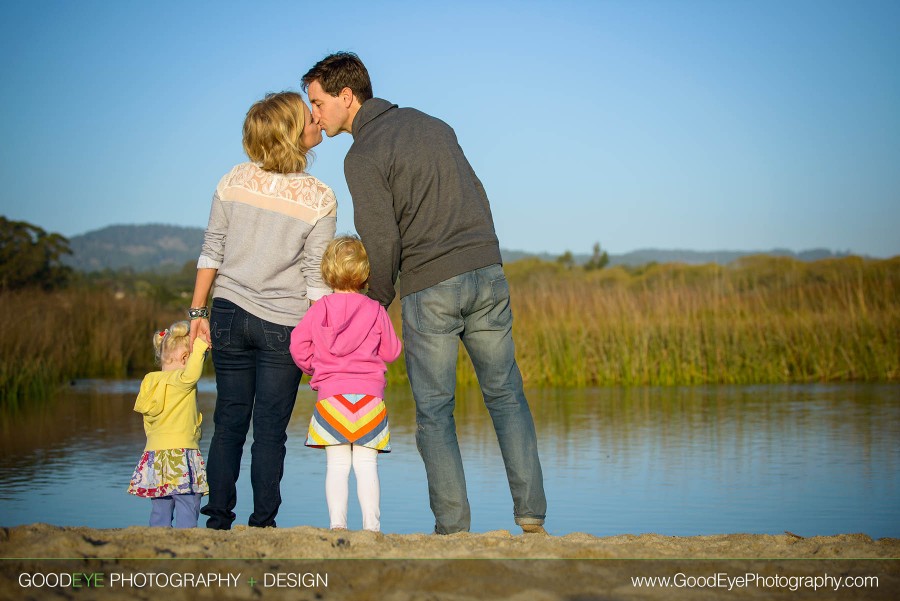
[[301, 188]]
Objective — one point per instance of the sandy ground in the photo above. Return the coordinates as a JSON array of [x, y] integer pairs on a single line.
[[294, 563]]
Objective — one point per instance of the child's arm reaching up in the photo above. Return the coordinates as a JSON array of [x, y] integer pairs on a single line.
[[188, 376]]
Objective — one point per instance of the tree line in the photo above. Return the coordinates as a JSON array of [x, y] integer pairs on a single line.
[[30, 257]]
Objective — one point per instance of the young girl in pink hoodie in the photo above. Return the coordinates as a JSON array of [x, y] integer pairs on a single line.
[[344, 342]]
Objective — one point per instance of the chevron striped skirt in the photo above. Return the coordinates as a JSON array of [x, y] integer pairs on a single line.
[[350, 418]]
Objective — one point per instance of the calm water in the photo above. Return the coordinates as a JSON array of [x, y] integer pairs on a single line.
[[810, 459]]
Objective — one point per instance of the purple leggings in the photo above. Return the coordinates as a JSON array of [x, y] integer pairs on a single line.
[[185, 509]]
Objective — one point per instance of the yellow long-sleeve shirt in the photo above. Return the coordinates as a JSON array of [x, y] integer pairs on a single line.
[[168, 402]]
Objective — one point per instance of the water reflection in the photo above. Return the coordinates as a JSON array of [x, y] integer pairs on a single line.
[[811, 459]]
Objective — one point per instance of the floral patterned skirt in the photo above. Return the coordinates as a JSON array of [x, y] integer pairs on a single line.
[[169, 472]]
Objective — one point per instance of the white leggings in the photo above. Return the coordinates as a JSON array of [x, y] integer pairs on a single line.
[[364, 460]]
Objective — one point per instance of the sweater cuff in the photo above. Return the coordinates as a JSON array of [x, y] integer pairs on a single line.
[[205, 262]]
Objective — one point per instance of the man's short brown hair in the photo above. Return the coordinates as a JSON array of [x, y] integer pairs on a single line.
[[338, 71]]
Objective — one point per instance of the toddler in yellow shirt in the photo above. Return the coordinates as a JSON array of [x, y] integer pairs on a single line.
[[171, 472]]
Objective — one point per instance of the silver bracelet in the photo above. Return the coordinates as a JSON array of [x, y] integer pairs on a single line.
[[198, 312]]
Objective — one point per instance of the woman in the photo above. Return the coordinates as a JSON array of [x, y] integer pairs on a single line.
[[269, 225]]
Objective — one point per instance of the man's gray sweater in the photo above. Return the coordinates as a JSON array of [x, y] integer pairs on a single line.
[[418, 206]]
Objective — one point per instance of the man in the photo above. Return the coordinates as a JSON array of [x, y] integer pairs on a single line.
[[423, 215]]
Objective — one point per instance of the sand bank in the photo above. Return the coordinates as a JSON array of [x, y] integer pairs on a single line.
[[491, 565]]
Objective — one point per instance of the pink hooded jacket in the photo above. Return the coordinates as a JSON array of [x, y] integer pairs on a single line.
[[345, 341]]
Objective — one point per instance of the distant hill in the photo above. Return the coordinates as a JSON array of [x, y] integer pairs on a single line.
[[642, 257], [166, 248], [691, 257], [153, 247]]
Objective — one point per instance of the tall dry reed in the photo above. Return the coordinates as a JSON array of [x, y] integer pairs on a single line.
[[760, 320], [48, 338]]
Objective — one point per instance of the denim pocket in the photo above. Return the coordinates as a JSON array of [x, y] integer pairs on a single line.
[[438, 308], [278, 337], [220, 323], [500, 314]]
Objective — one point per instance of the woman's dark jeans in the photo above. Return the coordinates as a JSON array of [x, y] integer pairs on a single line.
[[256, 378]]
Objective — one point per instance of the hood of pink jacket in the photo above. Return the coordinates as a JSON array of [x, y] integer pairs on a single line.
[[346, 322]]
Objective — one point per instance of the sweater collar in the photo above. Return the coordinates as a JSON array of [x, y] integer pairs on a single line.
[[370, 109]]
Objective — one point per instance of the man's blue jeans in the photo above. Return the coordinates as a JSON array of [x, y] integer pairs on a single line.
[[473, 307], [256, 378]]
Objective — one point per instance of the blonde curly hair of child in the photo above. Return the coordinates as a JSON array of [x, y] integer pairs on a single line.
[[176, 336], [345, 264]]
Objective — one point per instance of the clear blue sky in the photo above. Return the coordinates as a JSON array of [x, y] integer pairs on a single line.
[[706, 125]]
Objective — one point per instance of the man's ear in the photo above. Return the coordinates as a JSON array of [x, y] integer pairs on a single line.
[[349, 98], [346, 95]]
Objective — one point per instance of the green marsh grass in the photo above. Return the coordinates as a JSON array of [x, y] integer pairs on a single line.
[[49, 338], [759, 320]]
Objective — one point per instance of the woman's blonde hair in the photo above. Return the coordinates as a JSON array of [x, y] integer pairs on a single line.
[[345, 264], [273, 131], [174, 337]]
